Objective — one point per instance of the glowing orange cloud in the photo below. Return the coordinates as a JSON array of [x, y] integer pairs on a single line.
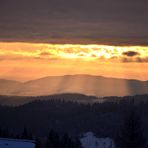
[[28, 61], [73, 51]]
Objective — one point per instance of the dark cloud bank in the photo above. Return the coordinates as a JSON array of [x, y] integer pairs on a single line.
[[75, 21], [133, 56], [131, 53]]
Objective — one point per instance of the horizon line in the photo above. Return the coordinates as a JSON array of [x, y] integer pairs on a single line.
[[78, 43], [91, 75]]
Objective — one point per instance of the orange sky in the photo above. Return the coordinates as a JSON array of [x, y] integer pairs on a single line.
[[25, 61]]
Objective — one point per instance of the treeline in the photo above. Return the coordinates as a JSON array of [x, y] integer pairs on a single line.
[[52, 140], [56, 141], [5, 133], [104, 119], [21, 100], [130, 135], [72, 118]]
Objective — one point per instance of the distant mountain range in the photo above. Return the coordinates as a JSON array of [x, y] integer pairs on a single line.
[[83, 84]]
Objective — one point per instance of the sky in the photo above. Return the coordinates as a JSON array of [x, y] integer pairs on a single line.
[[57, 37], [75, 21], [26, 61]]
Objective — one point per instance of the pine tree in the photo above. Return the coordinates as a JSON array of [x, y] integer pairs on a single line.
[[56, 141], [53, 140], [78, 143], [65, 141], [38, 143], [25, 134], [131, 135], [0, 133]]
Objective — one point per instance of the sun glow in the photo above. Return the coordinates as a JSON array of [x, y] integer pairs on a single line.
[[33, 60], [74, 51]]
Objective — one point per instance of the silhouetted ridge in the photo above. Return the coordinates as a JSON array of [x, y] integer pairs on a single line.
[[83, 84]]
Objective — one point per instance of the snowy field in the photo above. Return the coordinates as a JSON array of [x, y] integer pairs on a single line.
[[90, 141], [14, 143]]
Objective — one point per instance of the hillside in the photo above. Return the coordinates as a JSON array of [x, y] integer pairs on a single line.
[[71, 117], [8, 86], [83, 84]]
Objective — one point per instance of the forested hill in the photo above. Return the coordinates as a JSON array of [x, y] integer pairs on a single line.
[[74, 118], [21, 100]]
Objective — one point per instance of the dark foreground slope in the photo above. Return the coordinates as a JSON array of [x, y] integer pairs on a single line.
[[104, 119]]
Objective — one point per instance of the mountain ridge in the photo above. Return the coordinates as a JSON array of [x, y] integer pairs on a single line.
[[84, 84], [89, 75]]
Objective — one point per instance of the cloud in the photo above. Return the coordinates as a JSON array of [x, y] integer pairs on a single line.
[[131, 53], [143, 60], [90, 52], [135, 60], [135, 56], [74, 21], [46, 54]]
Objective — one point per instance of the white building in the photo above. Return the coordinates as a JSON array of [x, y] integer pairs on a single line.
[[16, 143]]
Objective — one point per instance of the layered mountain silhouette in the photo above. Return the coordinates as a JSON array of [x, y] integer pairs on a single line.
[[7, 86], [83, 84]]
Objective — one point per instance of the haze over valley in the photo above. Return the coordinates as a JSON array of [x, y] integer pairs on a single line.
[[83, 84]]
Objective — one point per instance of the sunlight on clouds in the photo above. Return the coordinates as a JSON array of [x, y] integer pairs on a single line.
[[74, 51], [30, 60]]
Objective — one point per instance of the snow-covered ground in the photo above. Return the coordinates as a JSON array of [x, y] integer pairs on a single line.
[[90, 141], [14, 143]]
